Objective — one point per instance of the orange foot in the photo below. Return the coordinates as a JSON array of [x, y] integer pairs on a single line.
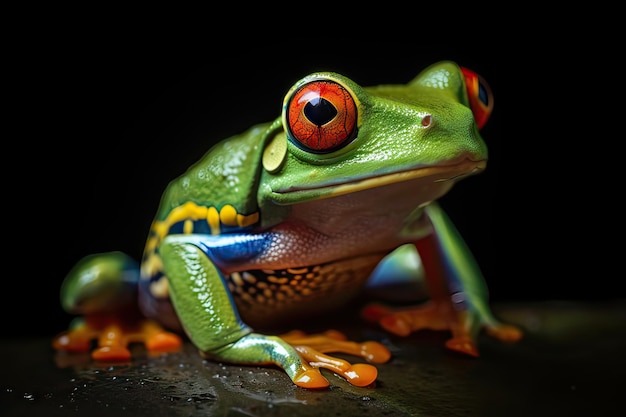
[[438, 316], [114, 338], [313, 349], [404, 321]]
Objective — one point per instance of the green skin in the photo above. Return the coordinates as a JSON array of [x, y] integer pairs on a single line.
[[414, 142]]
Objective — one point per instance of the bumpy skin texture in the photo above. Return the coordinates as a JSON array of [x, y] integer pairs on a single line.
[[291, 218]]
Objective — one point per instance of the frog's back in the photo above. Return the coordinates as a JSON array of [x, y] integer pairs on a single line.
[[226, 175]]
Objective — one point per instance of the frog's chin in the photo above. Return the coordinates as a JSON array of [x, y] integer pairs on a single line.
[[435, 174]]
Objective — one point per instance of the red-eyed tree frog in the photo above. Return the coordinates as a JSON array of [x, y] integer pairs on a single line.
[[291, 219]]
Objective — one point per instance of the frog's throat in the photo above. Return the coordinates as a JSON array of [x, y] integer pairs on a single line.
[[434, 174]]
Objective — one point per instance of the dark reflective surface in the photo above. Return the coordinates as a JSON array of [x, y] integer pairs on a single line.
[[571, 362]]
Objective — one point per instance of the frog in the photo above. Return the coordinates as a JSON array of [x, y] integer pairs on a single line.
[[290, 220]]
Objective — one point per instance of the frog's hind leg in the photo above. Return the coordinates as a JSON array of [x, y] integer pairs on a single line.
[[103, 289], [400, 278], [435, 314], [457, 294]]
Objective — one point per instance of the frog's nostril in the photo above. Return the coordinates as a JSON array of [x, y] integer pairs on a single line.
[[426, 120]]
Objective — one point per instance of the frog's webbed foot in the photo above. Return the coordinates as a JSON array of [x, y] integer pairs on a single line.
[[404, 321], [464, 339], [260, 349], [463, 325], [313, 349], [429, 316], [302, 356], [113, 339]]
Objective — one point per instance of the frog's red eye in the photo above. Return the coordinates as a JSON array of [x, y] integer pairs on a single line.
[[480, 96], [321, 116]]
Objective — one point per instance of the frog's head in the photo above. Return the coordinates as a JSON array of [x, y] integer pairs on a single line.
[[336, 137]]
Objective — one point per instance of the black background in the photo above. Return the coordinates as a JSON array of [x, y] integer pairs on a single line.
[[102, 127]]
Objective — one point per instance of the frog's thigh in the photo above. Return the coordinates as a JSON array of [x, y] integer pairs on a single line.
[[399, 277]]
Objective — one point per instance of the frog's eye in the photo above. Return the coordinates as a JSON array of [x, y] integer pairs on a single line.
[[480, 96], [321, 116]]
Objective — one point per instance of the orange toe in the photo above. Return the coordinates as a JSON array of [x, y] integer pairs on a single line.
[[375, 352], [164, 342], [361, 374], [396, 325], [505, 333], [311, 378], [111, 354], [463, 345], [71, 344]]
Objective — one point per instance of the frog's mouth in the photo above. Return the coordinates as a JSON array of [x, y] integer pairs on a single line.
[[449, 173]]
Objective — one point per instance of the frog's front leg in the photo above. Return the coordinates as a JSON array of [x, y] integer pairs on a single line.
[[458, 295], [210, 318]]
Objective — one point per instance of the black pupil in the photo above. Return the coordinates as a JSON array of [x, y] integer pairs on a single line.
[[482, 94], [319, 111]]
